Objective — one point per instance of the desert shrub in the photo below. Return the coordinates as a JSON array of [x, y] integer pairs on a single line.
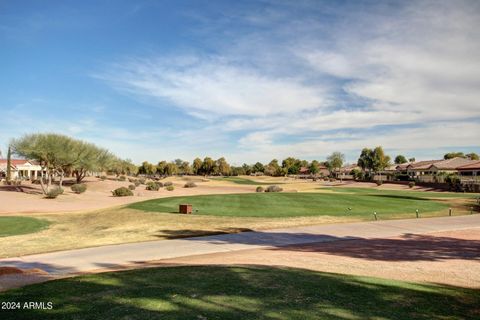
[[122, 178], [160, 184], [168, 183], [379, 182], [273, 188], [259, 189], [131, 180], [190, 184], [79, 188], [170, 188], [122, 192], [152, 186], [411, 184], [136, 183], [53, 193], [103, 178], [142, 180], [454, 182], [131, 187]]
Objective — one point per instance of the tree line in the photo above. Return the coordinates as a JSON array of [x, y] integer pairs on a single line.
[[61, 156]]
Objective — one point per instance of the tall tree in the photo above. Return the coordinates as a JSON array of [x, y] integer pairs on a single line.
[[161, 167], [274, 169], [335, 160], [472, 156], [452, 155], [400, 159], [197, 166], [258, 167], [223, 167], [185, 168], [247, 169], [365, 160], [380, 159], [171, 169], [90, 159], [147, 168], [208, 166], [9, 165], [314, 167], [373, 160], [291, 165]]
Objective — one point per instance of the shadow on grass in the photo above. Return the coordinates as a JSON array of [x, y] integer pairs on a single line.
[[186, 233], [392, 196], [409, 247], [240, 293]]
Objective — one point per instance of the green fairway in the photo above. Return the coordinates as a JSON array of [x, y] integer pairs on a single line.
[[240, 293], [418, 194], [11, 226], [297, 204], [239, 180]]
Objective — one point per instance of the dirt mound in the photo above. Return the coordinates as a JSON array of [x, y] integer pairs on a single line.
[[10, 270]]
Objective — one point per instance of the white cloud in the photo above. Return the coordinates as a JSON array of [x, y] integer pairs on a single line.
[[415, 64], [213, 87]]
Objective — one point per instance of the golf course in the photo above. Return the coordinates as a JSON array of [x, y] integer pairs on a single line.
[[354, 202], [208, 292]]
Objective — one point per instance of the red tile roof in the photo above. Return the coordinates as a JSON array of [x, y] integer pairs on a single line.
[[453, 164], [14, 162], [472, 166]]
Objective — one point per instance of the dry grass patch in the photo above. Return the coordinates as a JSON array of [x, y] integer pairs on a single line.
[[122, 225]]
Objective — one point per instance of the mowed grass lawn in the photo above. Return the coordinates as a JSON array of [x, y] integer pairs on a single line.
[[298, 204], [207, 292], [244, 181], [11, 226]]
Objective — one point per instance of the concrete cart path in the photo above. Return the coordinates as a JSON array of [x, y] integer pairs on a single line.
[[70, 262]]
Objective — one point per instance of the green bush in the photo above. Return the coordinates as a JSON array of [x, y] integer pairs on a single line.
[[168, 183], [131, 187], [122, 178], [142, 180], [137, 183], [79, 188], [170, 188], [190, 184], [103, 178], [122, 192], [259, 189], [411, 184], [131, 180], [152, 186], [273, 188], [53, 193]]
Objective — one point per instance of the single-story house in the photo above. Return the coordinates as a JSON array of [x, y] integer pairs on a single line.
[[436, 170], [21, 169], [470, 172]]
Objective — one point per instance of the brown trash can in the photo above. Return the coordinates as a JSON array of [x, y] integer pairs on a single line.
[[185, 208]]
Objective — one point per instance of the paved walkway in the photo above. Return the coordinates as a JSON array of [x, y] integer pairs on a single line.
[[115, 256]]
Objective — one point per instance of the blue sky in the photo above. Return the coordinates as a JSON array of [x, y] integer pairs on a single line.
[[249, 80]]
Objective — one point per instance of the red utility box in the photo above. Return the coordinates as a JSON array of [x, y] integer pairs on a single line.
[[185, 208]]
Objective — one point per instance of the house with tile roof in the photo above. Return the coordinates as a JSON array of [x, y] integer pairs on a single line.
[[470, 172], [21, 169]]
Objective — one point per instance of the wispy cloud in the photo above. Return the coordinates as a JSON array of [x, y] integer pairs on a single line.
[[290, 74]]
